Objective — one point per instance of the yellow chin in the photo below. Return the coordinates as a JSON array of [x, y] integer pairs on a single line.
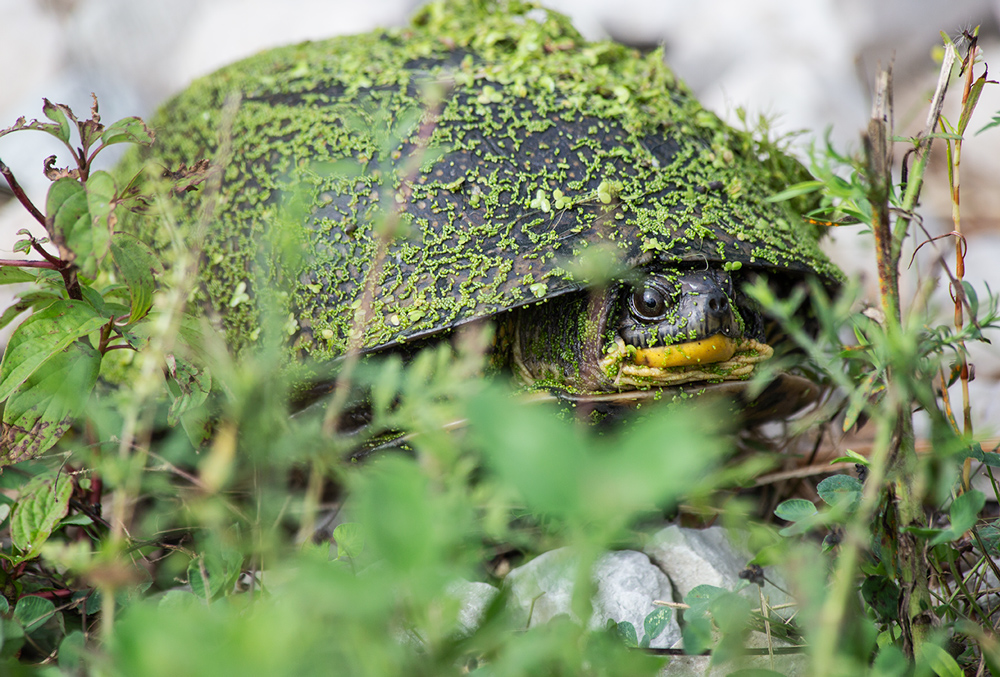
[[716, 348], [713, 360]]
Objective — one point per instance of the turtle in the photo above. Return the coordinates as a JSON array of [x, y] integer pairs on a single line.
[[486, 163]]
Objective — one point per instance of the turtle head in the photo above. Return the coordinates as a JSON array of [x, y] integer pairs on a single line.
[[684, 325], [668, 309], [670, 327]]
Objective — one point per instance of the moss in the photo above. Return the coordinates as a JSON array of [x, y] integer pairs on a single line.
[[530, 144]]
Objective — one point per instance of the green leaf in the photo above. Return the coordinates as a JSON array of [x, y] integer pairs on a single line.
[[841, 491], [193, 383], [66, 206], [940, 661], [991, 458], [350, 539], [139, 266], [14, 275], [882, 595], [55, 112], [27, 301], [965, 510], [890, 662], [128, 130], [730, 611], [995, 122], [43, 502], [71, 652], [655, 622], [852, 457], [627, 633], [40, 411], [700, 598], [796, 190], [385, 387], [964, 513], [560, 471], [859, 399], [795, 509], [990, 536], [970, 103], [32, 611], [697, 635], [78, 520], [101, 203], [221, 571], [41, 336]]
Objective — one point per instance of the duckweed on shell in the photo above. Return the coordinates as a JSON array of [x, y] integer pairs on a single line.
[[495, 144]]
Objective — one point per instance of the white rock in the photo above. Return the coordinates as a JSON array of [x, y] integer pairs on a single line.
[[627, 584], [475, 597], [693, 557]]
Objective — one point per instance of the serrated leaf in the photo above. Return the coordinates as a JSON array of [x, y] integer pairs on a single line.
[[42, 503], [841, 491], [101, 194], [139, 267], [55, 113], [14, 275], [350, 539], [40, 411], [32, 611], [795, 509], [69, 218], [47, 332], [991, 458], [990, 537], [194, 384], [27, 301], [128, 130]]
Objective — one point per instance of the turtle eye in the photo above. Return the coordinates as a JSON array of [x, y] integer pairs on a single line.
[[648, 304]]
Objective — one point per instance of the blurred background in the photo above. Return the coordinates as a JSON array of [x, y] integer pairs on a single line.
[[806, 65]]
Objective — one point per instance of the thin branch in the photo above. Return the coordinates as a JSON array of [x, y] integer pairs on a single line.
[[20, 263]]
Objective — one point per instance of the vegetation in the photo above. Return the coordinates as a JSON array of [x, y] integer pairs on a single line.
[[167, 514]]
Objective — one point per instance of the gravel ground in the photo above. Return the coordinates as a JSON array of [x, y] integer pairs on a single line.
[[806, 65]]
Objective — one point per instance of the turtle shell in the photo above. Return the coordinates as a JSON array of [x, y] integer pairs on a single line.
[[459, 168]]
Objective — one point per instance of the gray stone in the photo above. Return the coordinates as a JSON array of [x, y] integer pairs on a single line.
[[627, 584], [474, 597], [693, 557]]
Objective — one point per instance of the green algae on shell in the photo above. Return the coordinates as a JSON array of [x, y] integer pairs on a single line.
[[496, 143]]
